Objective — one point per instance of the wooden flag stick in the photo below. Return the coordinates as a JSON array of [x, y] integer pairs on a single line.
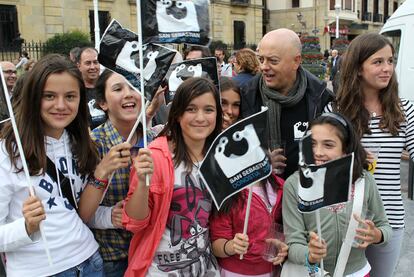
[[246, 218], [24, 163]]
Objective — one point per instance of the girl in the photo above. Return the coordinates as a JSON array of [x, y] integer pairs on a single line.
[[368, 96], [227, 230], [169, 218], [52, 122], [230, 101], [333, 137], [122, 106]]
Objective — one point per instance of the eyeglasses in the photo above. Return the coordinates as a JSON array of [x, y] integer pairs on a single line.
[[10, 72]]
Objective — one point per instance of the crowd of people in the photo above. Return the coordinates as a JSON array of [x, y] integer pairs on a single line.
[[110, 207]]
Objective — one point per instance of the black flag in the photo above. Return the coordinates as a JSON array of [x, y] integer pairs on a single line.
[[237, 158], [179, 72], [175, 21], [322, 185], [119, 52]]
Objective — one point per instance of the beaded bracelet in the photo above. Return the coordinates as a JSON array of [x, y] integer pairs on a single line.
[[312, 268], [224, 249]]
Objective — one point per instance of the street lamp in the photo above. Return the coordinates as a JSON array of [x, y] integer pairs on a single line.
[[337, 11]]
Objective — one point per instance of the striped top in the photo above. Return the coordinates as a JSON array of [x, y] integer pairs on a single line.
[[387, 172]]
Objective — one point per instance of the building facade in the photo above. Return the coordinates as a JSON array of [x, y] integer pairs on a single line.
[[319, 17], [236, 22]]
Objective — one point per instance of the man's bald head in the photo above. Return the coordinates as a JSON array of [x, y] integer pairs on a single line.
[[284, 37], [280, 57]]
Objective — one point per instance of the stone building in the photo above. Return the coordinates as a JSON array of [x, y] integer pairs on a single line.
[[319, 17], [232, 21]]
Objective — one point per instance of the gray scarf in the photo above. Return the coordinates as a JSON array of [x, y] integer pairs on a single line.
[[274, 100]]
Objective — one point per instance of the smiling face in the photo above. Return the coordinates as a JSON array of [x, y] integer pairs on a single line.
[[377, 70], [89, 65], [122, 103], [279, 62], [326, 143], [59, 104], [199, 119], [230, 103], [9, 72]]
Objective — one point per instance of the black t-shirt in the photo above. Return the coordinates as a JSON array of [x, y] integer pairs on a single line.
[[293, 125], [96, 115]]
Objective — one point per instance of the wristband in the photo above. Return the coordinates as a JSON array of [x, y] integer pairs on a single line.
[[99, 183], [224, 249]]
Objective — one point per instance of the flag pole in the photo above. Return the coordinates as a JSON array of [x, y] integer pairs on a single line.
[[318, 226], [96, 21], [131, 134], [246, 218], [24, 163], [141, 67]]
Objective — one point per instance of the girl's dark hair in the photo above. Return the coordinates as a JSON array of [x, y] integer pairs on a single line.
[[227, 83], [349, 139], [186, 92], [30, 124], [350, 97], [100, 86]]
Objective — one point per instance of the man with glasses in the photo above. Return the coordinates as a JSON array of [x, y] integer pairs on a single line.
[[10, 77]]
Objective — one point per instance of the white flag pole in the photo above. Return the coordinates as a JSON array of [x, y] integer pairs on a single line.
[[96, 21], [246, 218], [318, 226], [23, 158], [141, 67]]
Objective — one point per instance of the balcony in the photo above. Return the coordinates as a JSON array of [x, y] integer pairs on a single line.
[[240, 2], [378, 18], [367, 16]]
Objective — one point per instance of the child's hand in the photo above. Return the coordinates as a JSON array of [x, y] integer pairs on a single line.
[[118, 157], [33, 213], [282, 248], [368, 235], [317, 250], [277, 159], [240, 243], [156, 102], [143, 164]]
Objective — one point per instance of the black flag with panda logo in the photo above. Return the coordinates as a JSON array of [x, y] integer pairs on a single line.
[[322, 185], [176, 21], [179, 72], [237, 158], [118, 51]]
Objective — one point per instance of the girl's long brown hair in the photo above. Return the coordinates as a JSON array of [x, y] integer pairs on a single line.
[[350, 97], [30, 124]]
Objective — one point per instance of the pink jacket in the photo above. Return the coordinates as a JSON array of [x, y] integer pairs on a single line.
[[227, 225], [148, 232]]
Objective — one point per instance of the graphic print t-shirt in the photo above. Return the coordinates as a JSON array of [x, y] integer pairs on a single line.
[[185, 249]]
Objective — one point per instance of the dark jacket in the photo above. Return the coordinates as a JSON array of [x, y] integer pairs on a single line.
[[317, 97]]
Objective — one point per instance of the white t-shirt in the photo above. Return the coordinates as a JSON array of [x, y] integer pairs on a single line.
[[185, 248]]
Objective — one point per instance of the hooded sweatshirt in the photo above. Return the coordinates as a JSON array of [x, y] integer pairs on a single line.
[[69, 240]]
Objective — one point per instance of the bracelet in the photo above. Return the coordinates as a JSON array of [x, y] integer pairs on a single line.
[[312, 268], [99, 183], [224, 249]]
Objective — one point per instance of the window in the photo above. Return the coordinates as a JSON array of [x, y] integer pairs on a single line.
[[104, 20], [348, 5], [295, 4], [395, 38], [9, 29], [239, 34]]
